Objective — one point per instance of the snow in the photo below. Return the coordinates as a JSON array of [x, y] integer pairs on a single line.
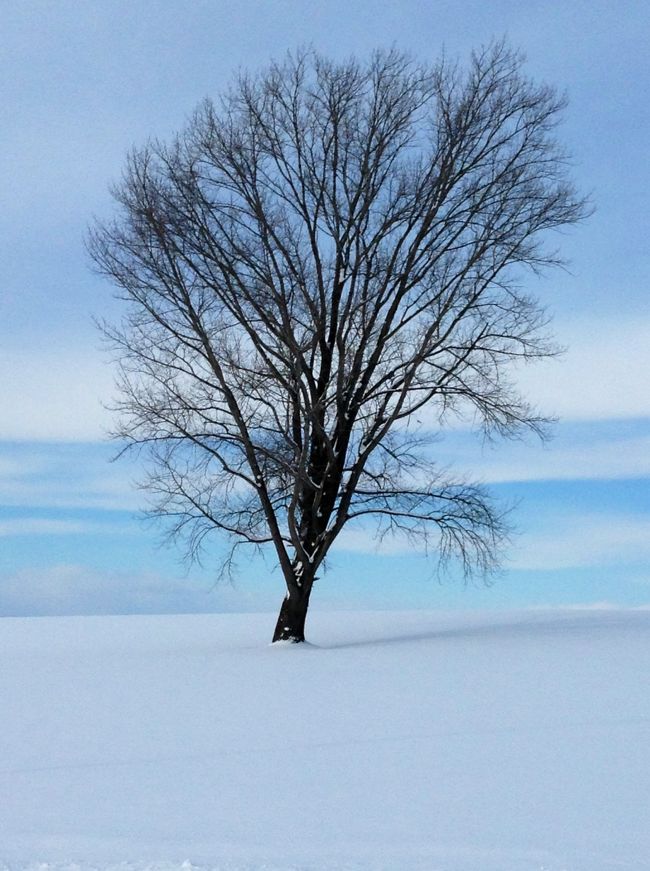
[[436, 742]]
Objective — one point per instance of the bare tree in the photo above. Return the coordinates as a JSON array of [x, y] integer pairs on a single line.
[[328, 251]]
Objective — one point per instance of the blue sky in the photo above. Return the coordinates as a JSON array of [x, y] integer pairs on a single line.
[[83, 81]]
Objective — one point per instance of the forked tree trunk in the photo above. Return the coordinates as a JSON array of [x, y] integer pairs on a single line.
[[291, 621]]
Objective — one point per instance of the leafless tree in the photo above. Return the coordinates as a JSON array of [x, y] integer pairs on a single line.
[[314, 261]]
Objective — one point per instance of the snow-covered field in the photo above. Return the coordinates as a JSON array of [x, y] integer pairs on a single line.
[[491, 742]]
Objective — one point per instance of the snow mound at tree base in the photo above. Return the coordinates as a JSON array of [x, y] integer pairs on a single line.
[[423, 741]]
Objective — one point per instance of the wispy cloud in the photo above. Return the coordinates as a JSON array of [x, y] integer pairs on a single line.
[[51, 396], [65, 476], [584, 541], [606, 458], [82, 590], [48, 396], [603, 373], [565, 541], [51, 526]]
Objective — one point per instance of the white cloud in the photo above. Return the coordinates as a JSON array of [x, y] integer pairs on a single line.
[[603, 374], [583, 541], [49, 396], [604, 605], [604, 459], [66, 476], [80, 590], [102, 492], [570, 541], [52, 526]]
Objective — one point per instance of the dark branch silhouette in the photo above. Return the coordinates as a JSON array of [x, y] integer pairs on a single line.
[[331, 249]]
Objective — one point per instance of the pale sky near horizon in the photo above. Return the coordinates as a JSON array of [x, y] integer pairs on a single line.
[[84, 81]]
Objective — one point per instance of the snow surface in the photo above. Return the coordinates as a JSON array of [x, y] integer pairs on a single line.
[[490, 742]]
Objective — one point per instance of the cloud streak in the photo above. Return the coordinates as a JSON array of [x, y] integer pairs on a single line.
[[49, 396], [584, 541], [57, 396], [29, 526], [66, 476], [606, 459], [70, 590], [602, 375], [566, 541]]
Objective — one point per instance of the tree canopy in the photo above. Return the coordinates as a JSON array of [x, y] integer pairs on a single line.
[[321, 257]]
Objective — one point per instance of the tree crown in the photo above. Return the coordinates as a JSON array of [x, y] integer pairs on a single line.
[[314, 263]]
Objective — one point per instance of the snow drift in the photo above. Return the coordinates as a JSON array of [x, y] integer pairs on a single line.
[[493, 742]]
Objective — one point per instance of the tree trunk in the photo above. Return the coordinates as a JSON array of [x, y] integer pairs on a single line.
[[291, 621]]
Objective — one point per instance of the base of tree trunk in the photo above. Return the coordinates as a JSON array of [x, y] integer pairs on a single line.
[[291, 620]]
